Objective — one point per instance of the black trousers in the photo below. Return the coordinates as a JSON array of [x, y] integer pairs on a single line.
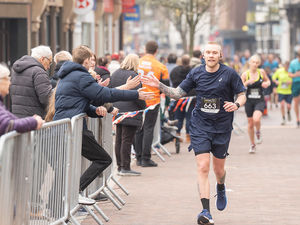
[[144, 137], [95, 153], [124, 139]]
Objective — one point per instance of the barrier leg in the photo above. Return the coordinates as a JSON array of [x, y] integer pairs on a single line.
[[157, 153], [93, 215], [111, 199], [165, 150], [101, 213], [120, 186], [116, 195], [73, 220]]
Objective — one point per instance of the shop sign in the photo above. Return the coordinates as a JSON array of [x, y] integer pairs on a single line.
[[132, 14], [83, 6]]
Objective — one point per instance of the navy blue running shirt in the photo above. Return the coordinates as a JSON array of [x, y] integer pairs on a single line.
[[213, 89]]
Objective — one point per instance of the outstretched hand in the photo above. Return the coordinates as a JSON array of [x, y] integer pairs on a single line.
[[103, 83], [132, 82], [145, 95], [150, 80]]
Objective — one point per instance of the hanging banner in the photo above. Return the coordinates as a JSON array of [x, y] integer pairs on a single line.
[[83, 6]]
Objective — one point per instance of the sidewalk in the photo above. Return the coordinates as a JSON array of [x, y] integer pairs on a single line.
[[263, 188]]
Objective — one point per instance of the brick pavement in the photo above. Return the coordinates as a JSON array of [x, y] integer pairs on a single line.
[[262, 188]]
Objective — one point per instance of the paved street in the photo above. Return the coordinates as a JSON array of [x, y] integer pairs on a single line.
[[263, 188]]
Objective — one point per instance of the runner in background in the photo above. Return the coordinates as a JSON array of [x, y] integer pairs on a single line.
[[294, 72], [255, 80], [284, 89]]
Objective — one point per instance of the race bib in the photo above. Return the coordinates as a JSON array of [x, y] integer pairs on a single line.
[[254, 93], [210, 105], [284, 85]]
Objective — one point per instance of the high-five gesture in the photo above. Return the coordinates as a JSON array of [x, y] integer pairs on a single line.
[[150, 80], [132, 82], [145, 95]]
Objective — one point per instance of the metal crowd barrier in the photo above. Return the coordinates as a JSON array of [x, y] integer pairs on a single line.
[[40, 173], [156, 139], [15, 178], [50, 191], [102, 130]]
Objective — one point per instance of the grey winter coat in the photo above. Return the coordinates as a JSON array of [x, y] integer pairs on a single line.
[[30, 87]]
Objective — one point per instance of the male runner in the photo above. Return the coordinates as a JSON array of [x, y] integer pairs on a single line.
[[211, 123]]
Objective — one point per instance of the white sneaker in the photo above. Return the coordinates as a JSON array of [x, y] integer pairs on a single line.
[[258, 137], [85, 201], [252, 149]]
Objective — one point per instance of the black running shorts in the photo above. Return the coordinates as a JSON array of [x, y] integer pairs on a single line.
[[252, 106]]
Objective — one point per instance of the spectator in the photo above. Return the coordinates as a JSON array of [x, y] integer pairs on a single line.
[[126, 129], [101, 69], [196, 59], [245, 58], [149, 65], [75, 91], [236, 64], [178, 75], [121, 56], [8, 121], [114, 64], [30, 85], [108, 57], [171, 64], [59, 59]]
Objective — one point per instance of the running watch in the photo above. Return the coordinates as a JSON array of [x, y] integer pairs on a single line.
[[237, 104]]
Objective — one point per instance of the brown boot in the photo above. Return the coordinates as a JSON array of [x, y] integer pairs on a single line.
[[188, 138]]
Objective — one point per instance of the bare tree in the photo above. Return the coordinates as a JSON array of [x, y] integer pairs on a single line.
[[185, 15]]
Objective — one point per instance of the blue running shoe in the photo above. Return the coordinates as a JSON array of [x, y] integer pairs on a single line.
[[205, 218], [221, 201]]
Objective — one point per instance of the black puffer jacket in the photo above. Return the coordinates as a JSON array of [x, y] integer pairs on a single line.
[[119, 78], [30, 87], [55, 77]]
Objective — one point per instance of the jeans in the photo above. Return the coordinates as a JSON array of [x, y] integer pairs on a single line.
[[95, 153], [144, 136], [124, 138]]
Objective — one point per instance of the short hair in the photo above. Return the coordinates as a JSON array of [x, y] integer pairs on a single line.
[[102, 61], [4, 71], [62, 56], [185, 60], [172, 58], [151, 47], [81, 53], [130, 62], [197, 53], [41, 51]]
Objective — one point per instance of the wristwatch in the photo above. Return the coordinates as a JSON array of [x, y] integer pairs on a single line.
[[237, 104]]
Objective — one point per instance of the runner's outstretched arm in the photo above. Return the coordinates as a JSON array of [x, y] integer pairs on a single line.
[[152, 81], [175, 93]]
